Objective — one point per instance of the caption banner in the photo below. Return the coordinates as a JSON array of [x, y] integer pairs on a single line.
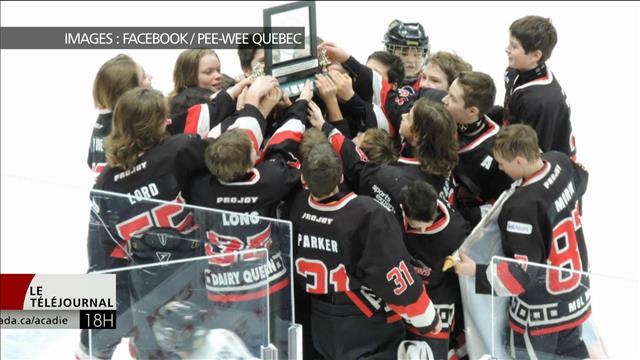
[[151, 37], [81, 301]]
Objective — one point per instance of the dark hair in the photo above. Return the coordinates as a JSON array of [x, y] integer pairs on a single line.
[[517, 140], [419, 200], [535, 33], [451, 64], [479, 90], [378, 146], [435, 132], [394, 62], [322, 170], [246, 52]]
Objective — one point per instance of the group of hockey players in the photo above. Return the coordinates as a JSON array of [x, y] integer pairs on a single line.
[[383, 168]]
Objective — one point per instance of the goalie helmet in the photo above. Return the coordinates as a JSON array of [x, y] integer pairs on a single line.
[[179, 326], [401, 35]]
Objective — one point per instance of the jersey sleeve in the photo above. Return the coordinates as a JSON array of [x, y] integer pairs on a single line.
[[369, 84], [353, 159], [191, 157], [364, 115], [523, 240], [285, 142], [249, 119], [201, 118], [385, 268]]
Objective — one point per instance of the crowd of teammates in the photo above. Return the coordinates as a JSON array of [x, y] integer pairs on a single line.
[[383, 171]]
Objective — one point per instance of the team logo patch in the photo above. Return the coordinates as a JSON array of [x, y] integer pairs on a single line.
[[163, 256], [403, 95], [519, 228]]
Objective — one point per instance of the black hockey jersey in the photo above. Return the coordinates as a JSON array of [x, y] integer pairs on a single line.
[[349, 244], [257, 195], [540, 223], [97, 159], [201, 116], [387, 105], [428, 248], [535, 98], [478, 176], [160, 173], [188, 97], [383, 182]]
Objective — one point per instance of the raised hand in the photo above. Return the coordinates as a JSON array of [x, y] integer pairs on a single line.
[[343, 84], [334, 52], [315, 116], [238, 88], [260, 87], [307, 92], [269, 101], [326, 88]]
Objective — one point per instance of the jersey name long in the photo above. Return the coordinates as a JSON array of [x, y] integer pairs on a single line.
[[252, 197]]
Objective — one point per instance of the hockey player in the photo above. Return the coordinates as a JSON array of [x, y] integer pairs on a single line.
[[539, 224], [388, 104], [242, 180], [432, 230], [196, 76], [533, 95], [428, 127], [479, 179], [197, 102], [249, 55], [441, 69], [350, 257], [143, 162], [377, 145], [116, 76], [410, 42]]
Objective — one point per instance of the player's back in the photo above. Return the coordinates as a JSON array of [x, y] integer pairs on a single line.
[[160, 173], [551, 200]]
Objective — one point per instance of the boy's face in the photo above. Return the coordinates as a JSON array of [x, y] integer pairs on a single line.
[[514, 168], [405, 127], [258, 57], [412, 58], [379, 67], [434, 78], [520, 60], [454, 102]]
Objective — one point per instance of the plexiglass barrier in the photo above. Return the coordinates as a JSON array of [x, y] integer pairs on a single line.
[[547, 312], [235, 267], [172, 311]]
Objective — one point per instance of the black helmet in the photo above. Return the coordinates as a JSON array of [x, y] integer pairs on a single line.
[[401, 34], [179, 326]]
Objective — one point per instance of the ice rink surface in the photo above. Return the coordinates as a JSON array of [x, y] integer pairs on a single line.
[[47, 116]]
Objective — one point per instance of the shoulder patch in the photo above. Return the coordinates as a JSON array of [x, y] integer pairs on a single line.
[[519, 228]]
